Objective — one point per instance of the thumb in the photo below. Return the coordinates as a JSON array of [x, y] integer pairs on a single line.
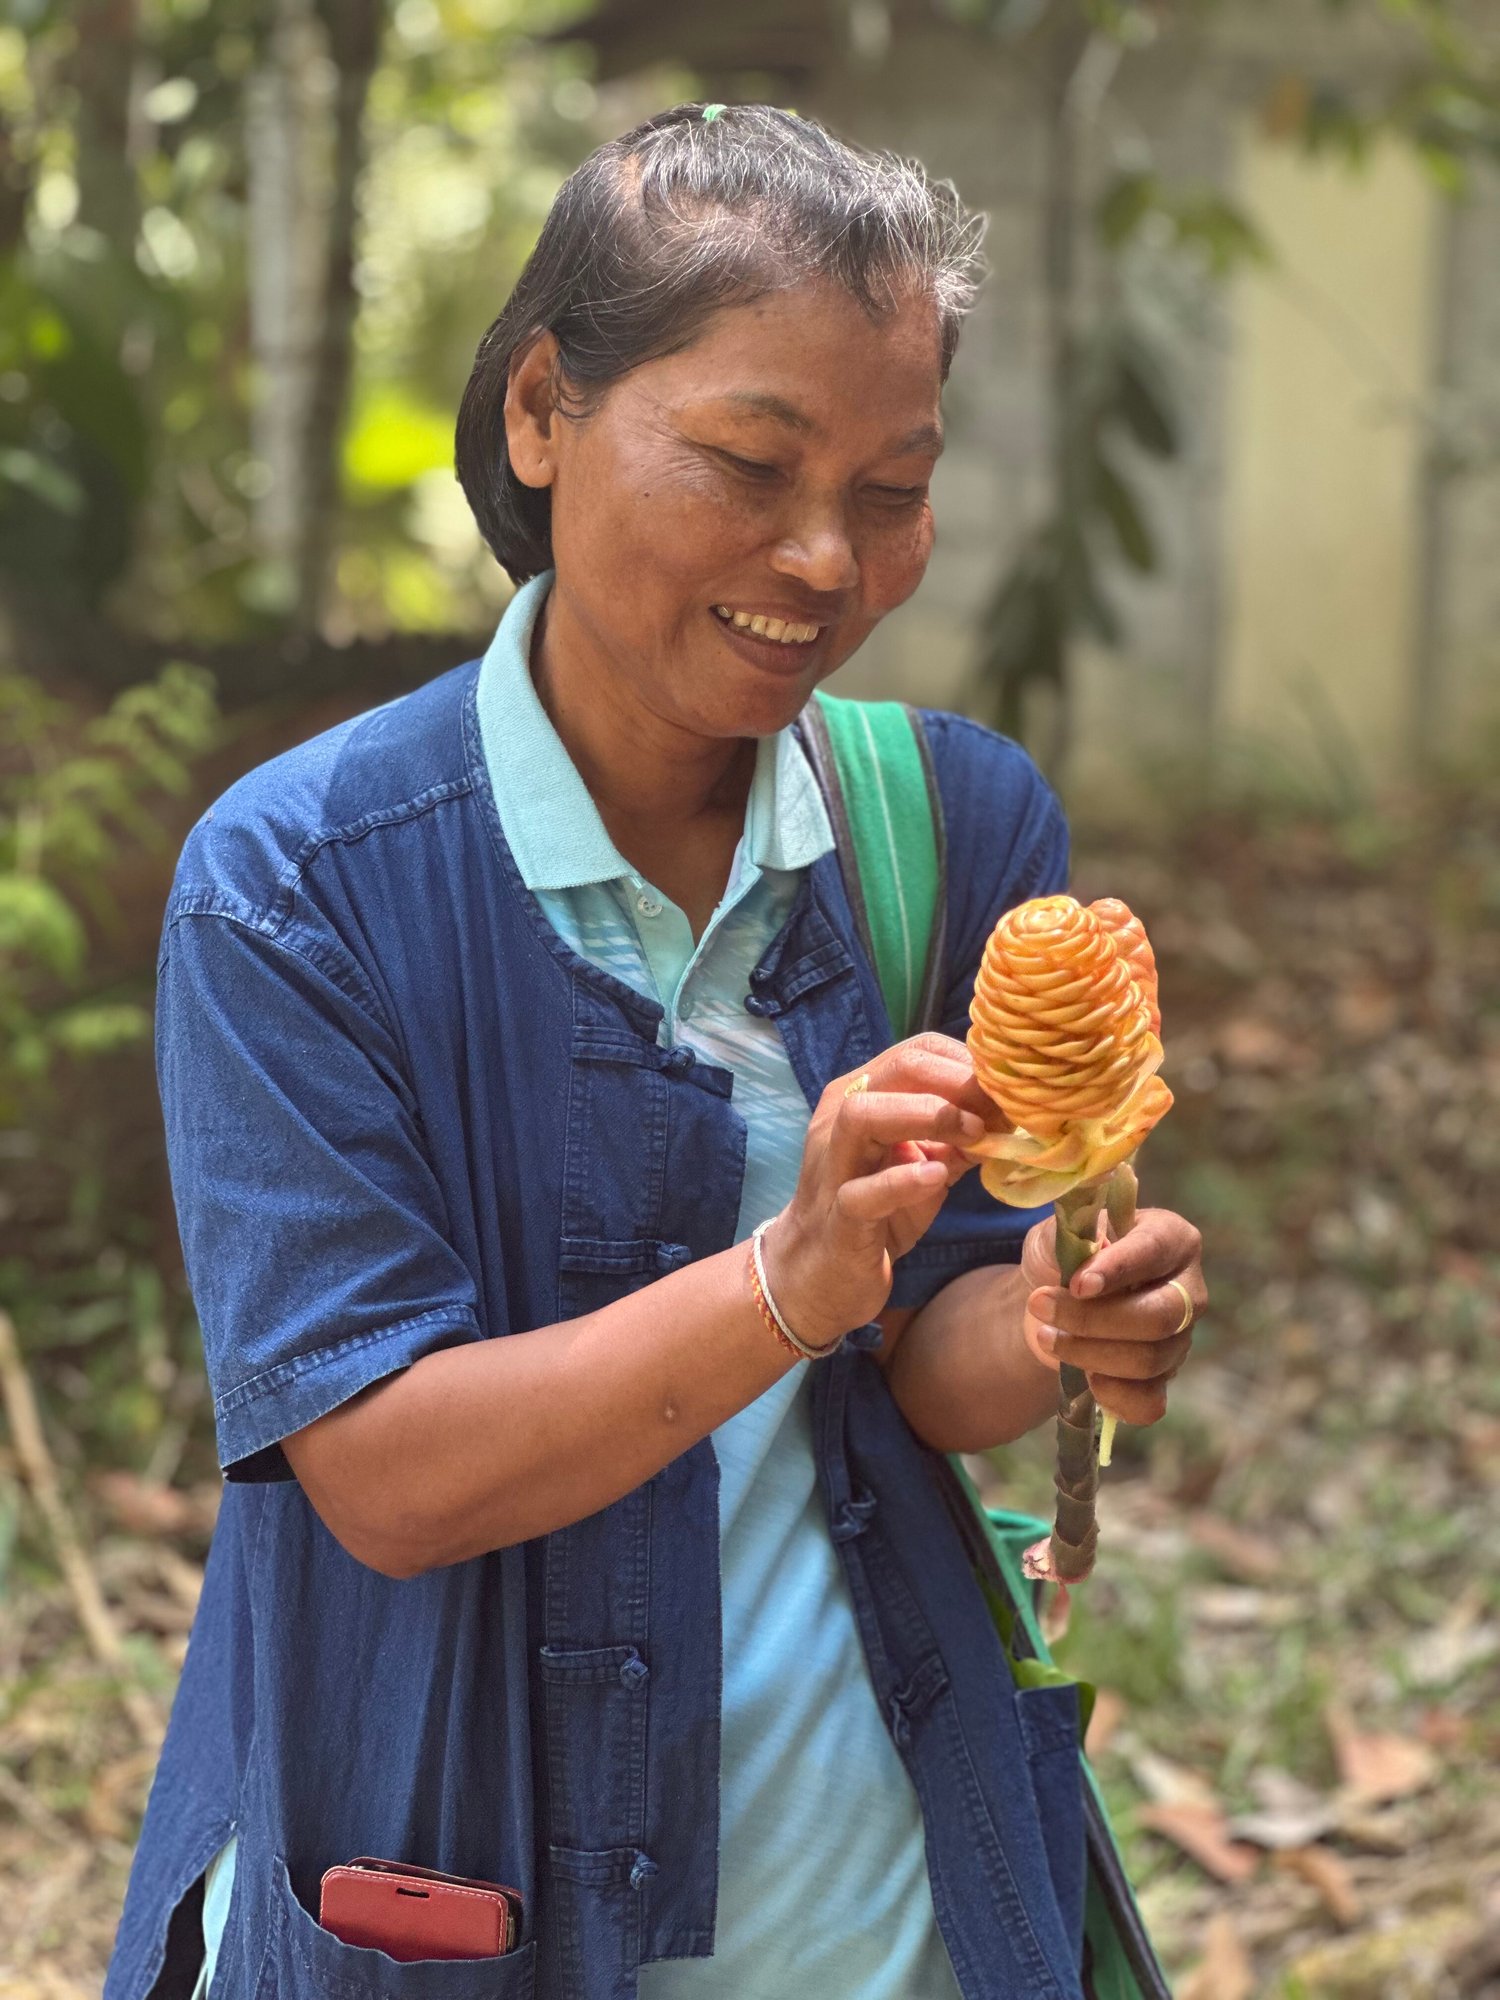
[[1039, 1265]]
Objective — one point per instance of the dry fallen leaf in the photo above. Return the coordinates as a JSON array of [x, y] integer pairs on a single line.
[[148, 1507], [1442, 1728], [1203, 1833], [1328, 1873], [1166, 1783], [1378, 1767], [1227, 1605], [1224, 1972], [1291, 1814], [1246, 1557], [1109, 1713]]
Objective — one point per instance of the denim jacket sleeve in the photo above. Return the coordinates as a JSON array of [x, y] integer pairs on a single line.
[[1007, 841], [312, 1227]]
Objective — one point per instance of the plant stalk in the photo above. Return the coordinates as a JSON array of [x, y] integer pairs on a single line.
[[1068, 1556]]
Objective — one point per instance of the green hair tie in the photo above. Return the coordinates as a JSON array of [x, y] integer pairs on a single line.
[[711, 112]]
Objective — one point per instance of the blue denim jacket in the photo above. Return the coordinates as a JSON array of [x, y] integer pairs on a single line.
[[402, 1113]]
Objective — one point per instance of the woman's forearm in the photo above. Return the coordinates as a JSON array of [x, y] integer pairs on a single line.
[[962, 1374], [490, 1443]]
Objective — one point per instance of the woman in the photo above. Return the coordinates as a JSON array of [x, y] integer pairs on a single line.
[[511, 1009]]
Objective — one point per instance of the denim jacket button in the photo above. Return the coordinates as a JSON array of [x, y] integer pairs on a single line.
[[755, 1005], [642, 1871], [679, 1062], [634, 1672], [672, 1256]]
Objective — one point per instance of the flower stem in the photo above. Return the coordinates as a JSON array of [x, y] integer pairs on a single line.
[[1075, 1531]]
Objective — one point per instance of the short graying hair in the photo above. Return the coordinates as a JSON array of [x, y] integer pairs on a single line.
[[701, 207]]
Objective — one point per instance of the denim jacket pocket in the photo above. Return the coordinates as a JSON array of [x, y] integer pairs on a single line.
[[304, 1959], [1048, 1718]]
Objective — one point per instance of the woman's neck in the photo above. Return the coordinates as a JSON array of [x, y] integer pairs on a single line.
[[672, 802]]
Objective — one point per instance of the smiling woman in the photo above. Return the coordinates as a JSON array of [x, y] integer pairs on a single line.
[[535, 1118]]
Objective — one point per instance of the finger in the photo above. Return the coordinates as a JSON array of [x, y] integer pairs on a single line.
[[1161, 1245], [873, 1197], [877, 1119], [954, 1159], [938, 1063], [1039, 1264], [1128, 1360], [1154, 1314], [1131, 1402]]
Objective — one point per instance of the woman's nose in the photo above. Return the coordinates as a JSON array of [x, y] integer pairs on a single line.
[[818, 552]]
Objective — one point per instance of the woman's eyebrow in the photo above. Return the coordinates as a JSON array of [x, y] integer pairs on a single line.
[[762, 403]]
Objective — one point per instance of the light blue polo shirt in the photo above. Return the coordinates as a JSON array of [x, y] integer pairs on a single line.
[[823, 1883]]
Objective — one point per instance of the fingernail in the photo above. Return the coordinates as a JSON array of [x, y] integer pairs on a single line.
[[1088, 1285], [970, 1126], [1047, 1337]]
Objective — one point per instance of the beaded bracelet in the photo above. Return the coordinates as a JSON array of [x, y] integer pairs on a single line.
[[770, 1312]]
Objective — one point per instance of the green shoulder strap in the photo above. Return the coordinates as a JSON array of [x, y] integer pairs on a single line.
[[876, 775], [875, 771]]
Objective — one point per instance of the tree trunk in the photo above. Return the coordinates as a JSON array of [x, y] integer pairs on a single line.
[[353, 28], [100, 70], [288, 203], [1081, 68]]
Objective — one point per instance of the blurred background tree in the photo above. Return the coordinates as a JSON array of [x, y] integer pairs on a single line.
[[247, 249]]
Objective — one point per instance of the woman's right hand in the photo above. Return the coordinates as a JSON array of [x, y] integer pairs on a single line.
[[876, 1169]]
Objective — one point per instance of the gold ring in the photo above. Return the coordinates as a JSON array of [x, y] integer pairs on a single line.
[[1187, 1306], [860, 1083]]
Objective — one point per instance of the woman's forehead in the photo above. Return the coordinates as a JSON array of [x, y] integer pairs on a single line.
[[790, 360]]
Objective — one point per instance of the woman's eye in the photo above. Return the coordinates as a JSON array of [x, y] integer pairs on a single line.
[[752, 468], [898, 496]]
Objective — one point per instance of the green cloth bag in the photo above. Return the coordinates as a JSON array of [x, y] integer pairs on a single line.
[[875, 771]]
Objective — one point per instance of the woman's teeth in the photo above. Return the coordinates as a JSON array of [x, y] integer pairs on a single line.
[[779, 629]]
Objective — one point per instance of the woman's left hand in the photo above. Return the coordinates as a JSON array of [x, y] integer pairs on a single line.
[[1124, 1334]]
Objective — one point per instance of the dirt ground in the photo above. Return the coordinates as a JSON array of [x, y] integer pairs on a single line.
[[1295, 1622]]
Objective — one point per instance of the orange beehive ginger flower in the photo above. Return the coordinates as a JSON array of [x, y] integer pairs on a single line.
[[1064, 1032]]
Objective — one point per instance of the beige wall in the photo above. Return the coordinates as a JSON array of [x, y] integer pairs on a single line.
[[1333, 356]]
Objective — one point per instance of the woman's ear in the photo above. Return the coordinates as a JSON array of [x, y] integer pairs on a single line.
[[531, 415]]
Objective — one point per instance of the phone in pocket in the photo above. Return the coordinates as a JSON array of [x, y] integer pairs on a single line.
[[409, 1912]]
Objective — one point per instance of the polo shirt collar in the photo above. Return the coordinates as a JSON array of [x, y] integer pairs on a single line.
[[548, 815]]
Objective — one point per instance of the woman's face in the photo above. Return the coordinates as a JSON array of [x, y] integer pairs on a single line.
[[775, 470]]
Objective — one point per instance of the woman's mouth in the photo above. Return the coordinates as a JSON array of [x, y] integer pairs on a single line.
[[763, 625]]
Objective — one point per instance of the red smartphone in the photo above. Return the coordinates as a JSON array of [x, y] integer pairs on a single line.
[[409, 1912]]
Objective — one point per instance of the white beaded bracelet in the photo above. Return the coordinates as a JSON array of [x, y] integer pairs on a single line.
[[772, 1312]]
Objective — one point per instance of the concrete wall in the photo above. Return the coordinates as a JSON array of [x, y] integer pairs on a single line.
[[1325, 582]]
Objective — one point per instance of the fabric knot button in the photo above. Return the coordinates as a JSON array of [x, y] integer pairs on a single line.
[[852, 1517], [642, 1871], [755, 1005], [672, 1256], [648, 906], [634, 1672], [679, 1062]]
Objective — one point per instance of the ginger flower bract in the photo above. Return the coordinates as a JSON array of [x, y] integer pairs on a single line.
[[1064, 1032]]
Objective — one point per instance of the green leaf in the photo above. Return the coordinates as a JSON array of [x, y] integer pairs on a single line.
[[37, 922], [1143, 400], [394, 439], [1118, 505], [99, 1027], [1124, 206], [44, 481], [1031, 1673], [1094, 611]]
